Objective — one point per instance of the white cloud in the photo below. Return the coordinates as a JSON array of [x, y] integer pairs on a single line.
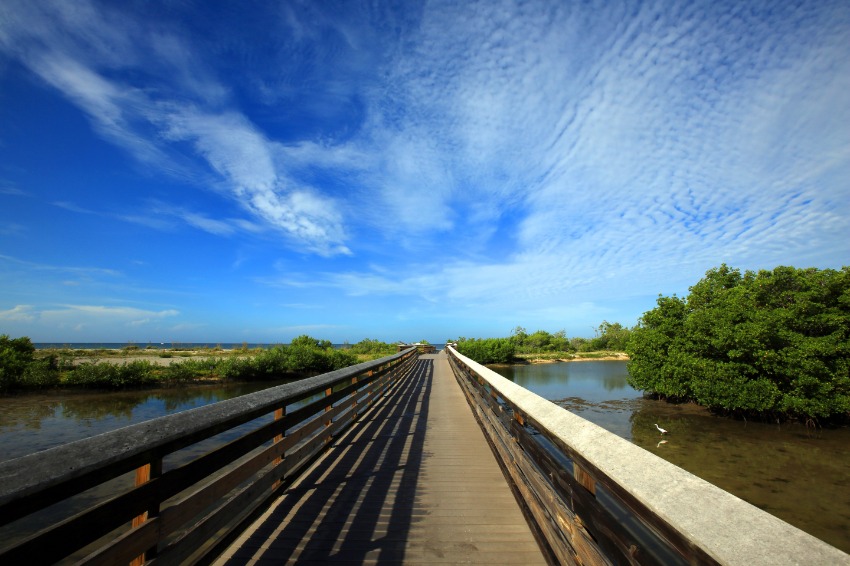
[[74, 55], [100, 311], [11, 190], [553, 156], [18, 313], [105, 318], [75, 270], [40, 319]]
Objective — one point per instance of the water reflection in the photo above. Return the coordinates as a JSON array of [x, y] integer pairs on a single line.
[[768, 465], [35, 422], [581, 379]]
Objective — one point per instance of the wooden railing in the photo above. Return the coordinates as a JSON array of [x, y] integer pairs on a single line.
[[177, 511], [595, 498]]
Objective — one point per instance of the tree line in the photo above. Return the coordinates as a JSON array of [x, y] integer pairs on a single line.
[[21, 368], [772, 344], [608, 337]]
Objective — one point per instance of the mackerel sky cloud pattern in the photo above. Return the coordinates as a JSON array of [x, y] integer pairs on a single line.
[[435, 168]]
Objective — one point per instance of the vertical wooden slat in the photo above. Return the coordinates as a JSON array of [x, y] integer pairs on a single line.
[[144, 474], [354, 395], [328, 409], [278, 414]]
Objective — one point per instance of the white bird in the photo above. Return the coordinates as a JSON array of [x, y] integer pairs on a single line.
[[661, 430]]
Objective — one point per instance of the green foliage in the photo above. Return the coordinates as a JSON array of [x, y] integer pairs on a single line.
[[772, 343], [184, 372], [503, 350], [609, 336], [310, 342], [41, 374], [15, 355], [112, 376], [488, 350], [539, 341], [303, 357], [367, 347]]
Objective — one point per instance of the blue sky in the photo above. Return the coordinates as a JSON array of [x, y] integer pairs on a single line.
[[252, 171]]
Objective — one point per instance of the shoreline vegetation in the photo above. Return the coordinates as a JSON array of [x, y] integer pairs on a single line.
[[23, 368], [542, 346], [563, 357], [772, 345]]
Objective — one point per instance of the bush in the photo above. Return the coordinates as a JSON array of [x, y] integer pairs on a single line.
[[488, 350], [339, 359], [15, 355], [108, 376], [180, 373], [41, 374], [305, 356], [376, 348], [772, 343]]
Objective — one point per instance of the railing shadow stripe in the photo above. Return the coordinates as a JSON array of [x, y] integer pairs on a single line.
[[362, 493]]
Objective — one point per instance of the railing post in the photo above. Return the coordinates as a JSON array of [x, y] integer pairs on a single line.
[[373, 390], [328, 409], [354, 413], [278, 414], [144, 474]]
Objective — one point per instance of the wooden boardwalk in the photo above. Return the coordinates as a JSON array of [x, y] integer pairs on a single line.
[[414, 482]]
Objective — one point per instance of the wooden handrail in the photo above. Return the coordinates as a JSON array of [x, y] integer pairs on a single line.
[[596, 498], [173, 514]]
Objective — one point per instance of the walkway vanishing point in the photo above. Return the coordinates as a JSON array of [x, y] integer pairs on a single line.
[[410, 459], [415, 483]]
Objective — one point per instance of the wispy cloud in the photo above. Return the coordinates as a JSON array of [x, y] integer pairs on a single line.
[[12, 229], [501, 156], [73, 316], [18, 313], [80, 316], [11, 190], [68, 269], [73, 207], [75, 56], [612, 141]]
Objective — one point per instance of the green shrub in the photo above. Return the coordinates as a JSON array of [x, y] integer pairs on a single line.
[[41, 374], [91, 375], [368, 347], [488, 350], [339, 359], [179, 373], [15, 355], [109, 376], [768, 343]]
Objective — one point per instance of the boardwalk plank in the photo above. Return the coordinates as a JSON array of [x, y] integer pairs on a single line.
[[414, 483]]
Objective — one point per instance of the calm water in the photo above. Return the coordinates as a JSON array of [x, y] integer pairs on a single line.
[[34, 422], [796, 474], [799, 475]]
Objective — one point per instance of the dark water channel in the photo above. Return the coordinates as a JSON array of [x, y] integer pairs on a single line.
[[797, 474], [35, 422]]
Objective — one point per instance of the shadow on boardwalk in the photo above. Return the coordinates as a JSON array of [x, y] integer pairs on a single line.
[[358, 505]]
